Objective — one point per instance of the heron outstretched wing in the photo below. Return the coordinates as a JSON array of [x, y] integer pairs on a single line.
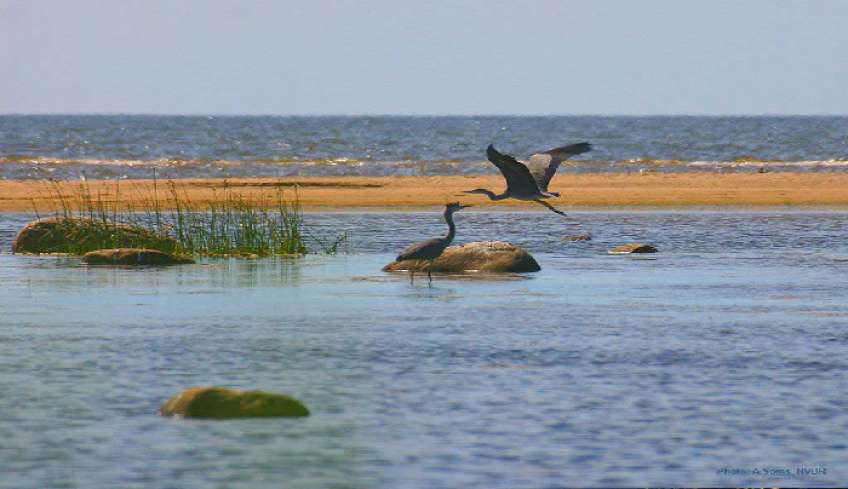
[[518, 177], [544, 165]]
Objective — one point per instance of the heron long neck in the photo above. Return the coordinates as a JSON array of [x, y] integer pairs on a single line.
[[451, 226], [494, 196]]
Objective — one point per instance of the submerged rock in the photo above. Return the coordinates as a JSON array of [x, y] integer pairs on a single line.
[[633, 248], [483, 256], [577, 237], [223, 403], [133, 256], [76, 235]]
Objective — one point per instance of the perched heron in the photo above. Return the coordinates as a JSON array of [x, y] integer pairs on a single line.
[[432, 248], [529, 181]]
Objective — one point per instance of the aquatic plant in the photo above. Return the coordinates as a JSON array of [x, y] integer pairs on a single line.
[[234, 225], [224, 225]]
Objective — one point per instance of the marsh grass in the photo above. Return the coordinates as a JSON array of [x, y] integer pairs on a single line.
[[225, 225], [233, 225]]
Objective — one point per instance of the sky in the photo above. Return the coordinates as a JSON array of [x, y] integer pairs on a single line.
[[424, 57]]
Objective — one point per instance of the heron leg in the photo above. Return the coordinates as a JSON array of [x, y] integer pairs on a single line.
[[412, 276], [549, 206], [429, 275]]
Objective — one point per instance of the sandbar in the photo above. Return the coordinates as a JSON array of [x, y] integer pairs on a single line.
[[596, 190]]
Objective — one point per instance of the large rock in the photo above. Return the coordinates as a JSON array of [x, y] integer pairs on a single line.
[[223, 403], [78, 236], [633, 248], [132, 256], [482, 256]]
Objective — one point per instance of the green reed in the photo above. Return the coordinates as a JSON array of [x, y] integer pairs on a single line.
[[87, 222], [233, 225], [226, 225]]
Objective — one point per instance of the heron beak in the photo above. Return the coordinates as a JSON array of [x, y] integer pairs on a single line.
[[464, 206]]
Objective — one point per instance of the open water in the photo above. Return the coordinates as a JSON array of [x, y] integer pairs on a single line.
[[122, 146], [720, 360]]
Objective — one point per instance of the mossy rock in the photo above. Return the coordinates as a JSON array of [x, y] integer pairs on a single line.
[[479, 256], [78, 236], [223, 403], [628, 248], [133, 257], [577, 237]]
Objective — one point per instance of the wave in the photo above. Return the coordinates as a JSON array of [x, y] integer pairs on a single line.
[[741, 162], [36, 160], [358, 162], [835, 163], [19, 167]]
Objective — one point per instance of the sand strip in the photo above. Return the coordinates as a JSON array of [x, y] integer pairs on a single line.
[[578, 191]]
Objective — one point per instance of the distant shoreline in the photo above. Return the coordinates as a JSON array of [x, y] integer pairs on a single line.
[[579, 191]]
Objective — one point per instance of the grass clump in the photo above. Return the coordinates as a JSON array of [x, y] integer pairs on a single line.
[[225, 225], [233, 225]]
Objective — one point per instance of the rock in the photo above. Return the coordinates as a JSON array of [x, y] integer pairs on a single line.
[[483, 256], [577, 237], [78, 236], [133, 256], [223, 403], [633, 248]]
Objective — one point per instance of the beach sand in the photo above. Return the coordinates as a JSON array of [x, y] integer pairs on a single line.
[[380, 193]]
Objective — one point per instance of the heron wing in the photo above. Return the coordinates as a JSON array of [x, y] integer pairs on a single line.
[[518, 177], [544, 165]]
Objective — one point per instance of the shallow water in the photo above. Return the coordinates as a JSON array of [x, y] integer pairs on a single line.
[[726, 350], [131, 146]]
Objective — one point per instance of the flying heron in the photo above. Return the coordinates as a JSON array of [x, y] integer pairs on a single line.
[[529, 181], [432, 248]]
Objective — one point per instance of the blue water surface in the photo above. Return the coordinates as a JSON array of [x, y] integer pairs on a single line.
[[131, 146], [717, 359]]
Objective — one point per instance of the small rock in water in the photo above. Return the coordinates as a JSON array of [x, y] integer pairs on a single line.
[[479, 256], [577, 237], [133, 256], [223, 403], [633, 248]]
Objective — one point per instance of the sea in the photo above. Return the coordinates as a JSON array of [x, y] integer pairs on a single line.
[[134, 146], [720, 360]]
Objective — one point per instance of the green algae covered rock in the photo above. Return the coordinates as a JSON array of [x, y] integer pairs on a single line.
[[133, 257], [223, 403], [78, 236]]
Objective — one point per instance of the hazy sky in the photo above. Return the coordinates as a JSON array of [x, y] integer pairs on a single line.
[[424, 57]]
